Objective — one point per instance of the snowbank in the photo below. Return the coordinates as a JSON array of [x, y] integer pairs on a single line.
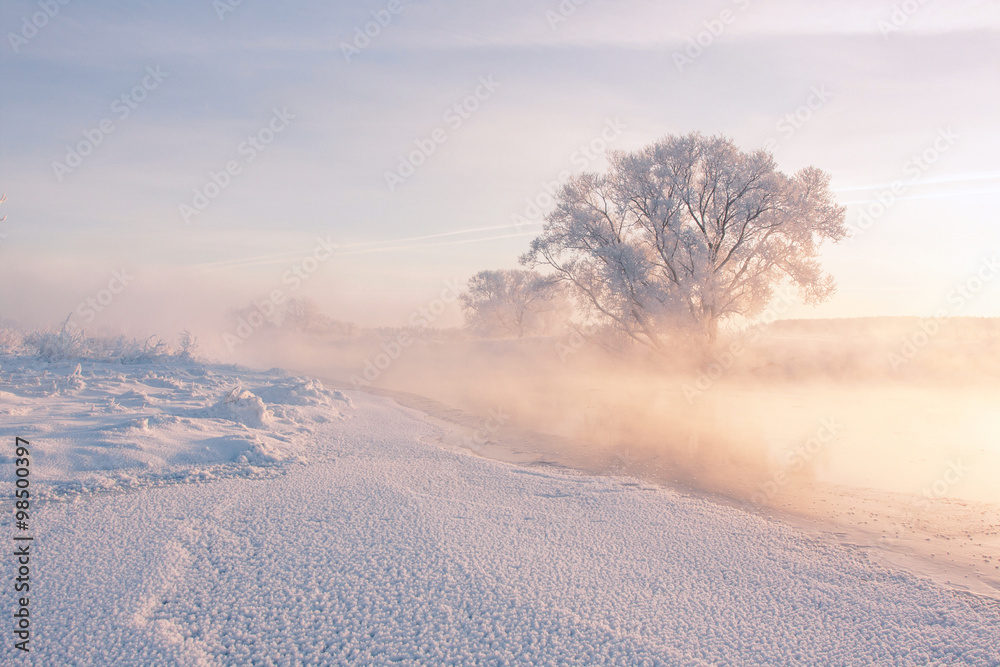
[[101, 426]]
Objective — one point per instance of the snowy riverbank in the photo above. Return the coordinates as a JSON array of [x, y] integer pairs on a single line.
[[295, 524]]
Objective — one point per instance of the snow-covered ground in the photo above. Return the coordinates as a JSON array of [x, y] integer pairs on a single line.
[[203, 515], [100, 427]]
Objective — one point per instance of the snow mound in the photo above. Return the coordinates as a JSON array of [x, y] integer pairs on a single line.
[[133, 398], [243, 407], [161, 381], [244, 448], [74, 381], [301, 391], [145, 423]]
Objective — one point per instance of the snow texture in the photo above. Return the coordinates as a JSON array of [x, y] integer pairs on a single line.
[[377, 546]]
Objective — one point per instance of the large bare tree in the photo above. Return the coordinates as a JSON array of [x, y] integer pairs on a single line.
[[686, 233]]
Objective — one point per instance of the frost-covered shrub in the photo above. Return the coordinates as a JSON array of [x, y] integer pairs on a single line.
[[133, 351], [73, 344], [54, 346], [11, 341], [189, 345]]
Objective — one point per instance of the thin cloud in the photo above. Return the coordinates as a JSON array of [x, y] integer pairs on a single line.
[[380, 246]]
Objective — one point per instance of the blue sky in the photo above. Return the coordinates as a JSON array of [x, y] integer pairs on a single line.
[[868, 99]]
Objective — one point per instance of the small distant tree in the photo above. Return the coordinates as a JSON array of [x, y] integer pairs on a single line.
[[687, 233], [305, 316], [515, 303]]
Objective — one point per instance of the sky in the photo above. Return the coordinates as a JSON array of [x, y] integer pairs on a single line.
[[187, 157]]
